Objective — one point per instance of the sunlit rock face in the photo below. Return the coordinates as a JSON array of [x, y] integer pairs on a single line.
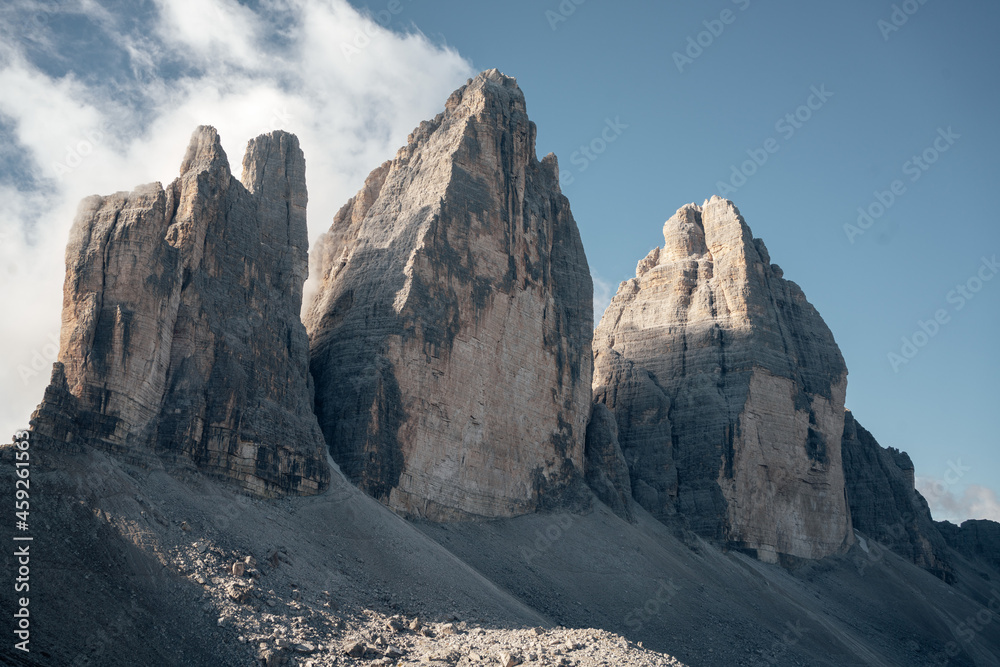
[[728, 389], [181, 339], [451, 333]]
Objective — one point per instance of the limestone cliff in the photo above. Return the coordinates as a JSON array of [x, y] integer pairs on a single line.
[[607, 472], [728, 390], [884, 503], [977, 539], [181, 337], [451, 334]]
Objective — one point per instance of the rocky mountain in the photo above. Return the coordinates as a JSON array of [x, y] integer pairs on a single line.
[[728, 391], [450, 336], [886, 507], [738, 515], [607, 472], [720, 391], [181, 340], [885, 504], [977, 539]]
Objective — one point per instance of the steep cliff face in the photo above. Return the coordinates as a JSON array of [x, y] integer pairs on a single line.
[[180, 335], [641, 410], [728, 390], [606, 471], [450, 338], [976, 539], [884, 503]]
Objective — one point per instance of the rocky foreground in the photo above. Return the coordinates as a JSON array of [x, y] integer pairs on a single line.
[[163, 571], [138, 566]]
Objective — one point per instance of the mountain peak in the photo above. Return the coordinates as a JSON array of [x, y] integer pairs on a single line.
[[455, 293], [489, 89], [723, 339], [204, 152], [168, 295], [494, 78]]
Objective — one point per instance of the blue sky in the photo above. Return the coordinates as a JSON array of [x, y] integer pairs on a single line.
[[689, 125], [141, 75]]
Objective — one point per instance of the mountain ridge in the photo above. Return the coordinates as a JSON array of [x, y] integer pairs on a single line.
[[246, 500]]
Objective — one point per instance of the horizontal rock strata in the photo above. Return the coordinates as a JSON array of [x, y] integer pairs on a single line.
[[728, 390], [451, 334], [181, 336]]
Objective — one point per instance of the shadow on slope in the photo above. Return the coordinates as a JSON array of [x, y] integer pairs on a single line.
[[132, 566], [708, 607]]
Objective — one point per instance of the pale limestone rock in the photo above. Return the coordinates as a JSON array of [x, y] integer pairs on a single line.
[[450, 338], [728, 390], [180, 336]]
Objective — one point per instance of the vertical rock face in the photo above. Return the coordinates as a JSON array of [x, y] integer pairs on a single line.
[[605, 467], [641, 410], [728, 390], [450, 338], [974, 539], [180, 335], [884, 503]]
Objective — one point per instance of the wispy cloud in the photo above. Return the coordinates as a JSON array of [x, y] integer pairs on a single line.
[[213, 34], [972, 502], [603, 293], [79, 125]]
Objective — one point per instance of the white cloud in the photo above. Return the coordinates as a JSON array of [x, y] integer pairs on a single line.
[[972, 502], [603, 293], [211, 32], [244, 72]]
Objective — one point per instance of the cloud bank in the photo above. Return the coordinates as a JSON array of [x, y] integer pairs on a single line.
[[102, 96], [972, 502]]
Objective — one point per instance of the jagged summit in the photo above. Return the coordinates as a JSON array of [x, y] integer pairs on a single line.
[[181, 341], [491, 81], [451, 349], [204, 152], [451, 335], [728, 390]]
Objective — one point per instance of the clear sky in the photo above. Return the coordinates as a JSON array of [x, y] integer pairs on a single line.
[[799, 112]]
